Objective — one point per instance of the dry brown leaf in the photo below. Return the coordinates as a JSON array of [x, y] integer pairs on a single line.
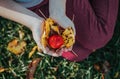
[[103, 67], [2, 69], [97, 67], [32, 67]]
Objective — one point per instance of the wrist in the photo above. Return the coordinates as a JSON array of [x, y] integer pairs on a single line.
[[38, 24], [29, 3], [57, 15], [57, 7], [23, 0]]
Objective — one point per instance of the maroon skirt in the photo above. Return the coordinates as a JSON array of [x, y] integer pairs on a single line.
[[94, 22]]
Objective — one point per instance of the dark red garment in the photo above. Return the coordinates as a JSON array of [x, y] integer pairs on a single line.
[[94, 22]]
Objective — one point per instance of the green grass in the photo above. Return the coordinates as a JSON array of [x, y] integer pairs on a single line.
[[56, 68]]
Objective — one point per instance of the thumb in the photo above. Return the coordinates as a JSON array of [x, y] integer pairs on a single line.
[[36, 36], [64, 22]]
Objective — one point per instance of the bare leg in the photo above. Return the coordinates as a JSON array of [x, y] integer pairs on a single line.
[[13, 11]]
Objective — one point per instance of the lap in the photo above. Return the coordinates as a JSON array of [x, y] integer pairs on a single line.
[[95, 21]]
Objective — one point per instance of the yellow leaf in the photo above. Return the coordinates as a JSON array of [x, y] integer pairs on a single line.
[[116, 75], [68, 36], [47, 28], [32, 51], [50, 21], [55, 28], [13, 43], [44, 39], [69, 43], [50, 27], [16, 47]]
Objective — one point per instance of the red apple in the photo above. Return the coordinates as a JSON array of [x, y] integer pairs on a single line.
[[55, 41]]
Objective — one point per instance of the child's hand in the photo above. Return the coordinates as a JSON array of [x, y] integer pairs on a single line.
[[37, 31], [64, 22], [58, 53], [15, 12], [57, 10]]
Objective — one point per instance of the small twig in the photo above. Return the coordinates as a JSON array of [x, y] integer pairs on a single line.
[[74, 53], [42, 14]]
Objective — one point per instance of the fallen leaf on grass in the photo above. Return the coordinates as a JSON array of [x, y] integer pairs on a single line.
[[44, 39], [32, 51], [32, 67], [2, 69], [102, 67], [97, 67], [116, 75], [16, 47]]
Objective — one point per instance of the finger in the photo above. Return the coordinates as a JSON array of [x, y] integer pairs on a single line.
[[36, 37], [46, 50], [65, 50], [64, 22], [67, 22], [52, 53], [70, 49]]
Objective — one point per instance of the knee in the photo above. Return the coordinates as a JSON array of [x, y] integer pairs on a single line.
[[94, 41]]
